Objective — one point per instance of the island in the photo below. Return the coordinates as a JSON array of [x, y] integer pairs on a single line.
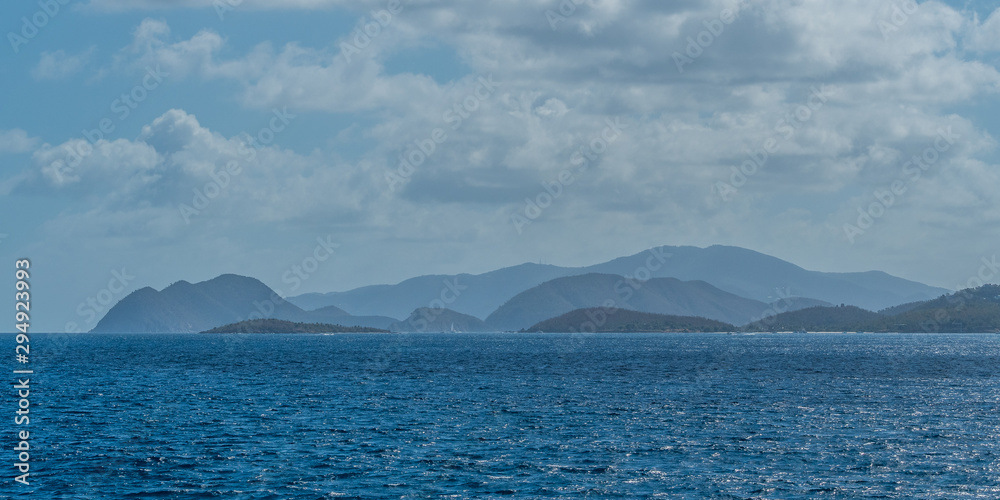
[[598, 320], [281, 326]]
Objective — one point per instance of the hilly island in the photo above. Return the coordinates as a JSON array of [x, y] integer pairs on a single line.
[[667, 289]]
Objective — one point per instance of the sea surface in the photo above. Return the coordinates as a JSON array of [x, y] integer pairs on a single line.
[[510, 415]]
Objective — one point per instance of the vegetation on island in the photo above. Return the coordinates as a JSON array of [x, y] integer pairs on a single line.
[[600, 320], [281, 326], [817, 319], [973, 310]]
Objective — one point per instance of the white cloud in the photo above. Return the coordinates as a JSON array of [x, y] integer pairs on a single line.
[[16, 141], [58, 65], [306, 78], [614, 59], [631, 64], [118, 5], [150, 48], [96, 166], [173, 158]]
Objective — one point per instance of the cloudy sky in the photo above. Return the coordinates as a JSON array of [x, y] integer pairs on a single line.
[[151, 141]]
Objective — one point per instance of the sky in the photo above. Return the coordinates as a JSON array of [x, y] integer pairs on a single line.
[[322, 145]]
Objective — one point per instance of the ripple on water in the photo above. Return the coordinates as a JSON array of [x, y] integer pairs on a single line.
[[361, 416]]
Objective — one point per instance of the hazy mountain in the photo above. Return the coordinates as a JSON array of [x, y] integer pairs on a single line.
[[476, 295], [623, 320], [761, 277], [186, 307], [659, 295], [425, 319], [195, 307], [735, 270]]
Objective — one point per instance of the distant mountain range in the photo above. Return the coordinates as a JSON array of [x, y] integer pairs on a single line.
[[475, 295], [726, 284], [739, 271]]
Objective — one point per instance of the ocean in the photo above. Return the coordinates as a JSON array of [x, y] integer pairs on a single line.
[[510, 416]]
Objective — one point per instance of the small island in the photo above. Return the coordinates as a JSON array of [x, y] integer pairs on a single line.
[[281, 326], [597, 320]]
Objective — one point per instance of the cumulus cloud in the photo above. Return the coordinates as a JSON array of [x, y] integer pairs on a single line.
[[827, 101], [118, 5], [306, 78], [886, 80], [175, 163]]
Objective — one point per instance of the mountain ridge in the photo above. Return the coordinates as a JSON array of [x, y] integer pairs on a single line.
[[227, 298], [669, 296], [736, 270], [728, 284]]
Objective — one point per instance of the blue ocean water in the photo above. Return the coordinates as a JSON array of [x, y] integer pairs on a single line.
[[512, 415]]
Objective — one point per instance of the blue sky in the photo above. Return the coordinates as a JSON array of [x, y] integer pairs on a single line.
[[892, 76]]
